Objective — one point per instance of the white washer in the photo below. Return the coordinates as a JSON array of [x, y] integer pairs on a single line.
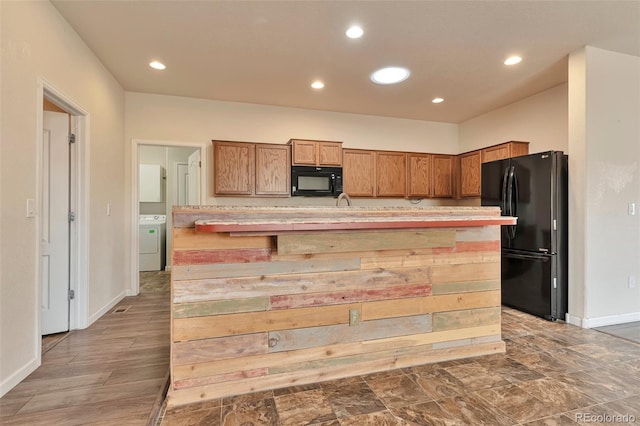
[[152, 239]]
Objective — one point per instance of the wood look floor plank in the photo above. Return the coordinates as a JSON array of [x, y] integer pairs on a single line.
[[113, 412], [60, 371], [91, 396], [10, 405], [135, 374], [35, 387], [126, 354]]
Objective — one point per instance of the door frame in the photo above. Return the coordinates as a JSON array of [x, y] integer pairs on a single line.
[[134, 285], [79, 203]]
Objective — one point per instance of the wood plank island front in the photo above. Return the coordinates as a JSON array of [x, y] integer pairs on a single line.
[[266, 298]]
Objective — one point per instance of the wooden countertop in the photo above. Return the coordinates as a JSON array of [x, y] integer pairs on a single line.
[[287, 219]]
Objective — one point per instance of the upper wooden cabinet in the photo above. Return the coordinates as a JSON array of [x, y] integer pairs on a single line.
[[470, 168], [442, 175], [470, 173], [316, 153], [273, 174], [418, 175], [397, 174], [233, 168], [504, 150], [358, 172], [250, 169], [391, 174]]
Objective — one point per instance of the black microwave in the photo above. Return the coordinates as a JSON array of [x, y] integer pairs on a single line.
[[316, 181]]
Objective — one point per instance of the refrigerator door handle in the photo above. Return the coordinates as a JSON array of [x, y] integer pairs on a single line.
[[505, 178], [514, 192], [511, 229]]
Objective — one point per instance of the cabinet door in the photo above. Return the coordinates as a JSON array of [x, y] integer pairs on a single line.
[[330, 154], [234, 168], [358, 169], [304, 153], [493, 153], [505, 150], [419, 175], [442, 176], [517, 149], [273, 174], [391, 174], [470, 167]]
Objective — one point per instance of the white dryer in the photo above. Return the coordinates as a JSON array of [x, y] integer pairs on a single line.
[[152, 242]]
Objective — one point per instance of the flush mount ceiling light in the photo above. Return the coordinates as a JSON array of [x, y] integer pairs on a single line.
[[354, 31], [512, 60], [437, 100], [390, 75], [157, 65], [317, 84]]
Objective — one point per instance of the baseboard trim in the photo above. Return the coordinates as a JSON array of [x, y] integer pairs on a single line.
[[611, 320], [573, 320], [106, 308], [13, 380]]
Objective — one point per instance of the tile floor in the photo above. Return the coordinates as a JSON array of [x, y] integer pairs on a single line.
[[552, 374]]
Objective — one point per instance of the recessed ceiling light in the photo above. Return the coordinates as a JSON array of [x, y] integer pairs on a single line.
[[354, 32], [390, 75], [317, 85], [512, 60], [437, 100], [157, 65]]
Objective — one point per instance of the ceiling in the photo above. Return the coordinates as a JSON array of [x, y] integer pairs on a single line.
[[269, 52]]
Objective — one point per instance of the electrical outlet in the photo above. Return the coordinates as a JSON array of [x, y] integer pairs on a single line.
[[631, 281], [354, 317]]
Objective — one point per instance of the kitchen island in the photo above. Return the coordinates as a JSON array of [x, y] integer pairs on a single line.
[[266, 298]]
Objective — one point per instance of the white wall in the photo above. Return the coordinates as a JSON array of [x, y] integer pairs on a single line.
[[38, 43], [607, 145], [540, 119]]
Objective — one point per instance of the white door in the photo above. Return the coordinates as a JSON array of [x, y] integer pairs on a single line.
[[193, 191], [55, 223], [182, 177]]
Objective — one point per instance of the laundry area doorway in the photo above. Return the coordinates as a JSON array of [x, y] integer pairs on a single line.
[[166, 175]]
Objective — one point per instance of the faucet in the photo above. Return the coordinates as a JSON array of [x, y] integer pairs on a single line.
[[346, 197]]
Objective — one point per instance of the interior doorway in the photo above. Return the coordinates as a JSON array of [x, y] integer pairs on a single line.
[[177, 172], [60, 209]]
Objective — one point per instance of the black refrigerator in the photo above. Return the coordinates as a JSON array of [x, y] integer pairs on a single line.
[[534, 189]]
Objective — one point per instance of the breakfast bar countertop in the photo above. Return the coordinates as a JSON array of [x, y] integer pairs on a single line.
[[281, 219]]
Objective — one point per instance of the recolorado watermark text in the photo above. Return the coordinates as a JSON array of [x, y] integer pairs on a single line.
[[605, 418]]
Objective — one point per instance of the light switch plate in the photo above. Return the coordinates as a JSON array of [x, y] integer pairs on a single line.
[[31, 207]]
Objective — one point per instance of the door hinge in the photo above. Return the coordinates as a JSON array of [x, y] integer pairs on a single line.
[[72, 138], [555, 283], [72, 217], [72, 294], [555, 225], [199, 163]]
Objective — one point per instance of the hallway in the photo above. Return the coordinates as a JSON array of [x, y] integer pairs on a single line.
[[109, 373]]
